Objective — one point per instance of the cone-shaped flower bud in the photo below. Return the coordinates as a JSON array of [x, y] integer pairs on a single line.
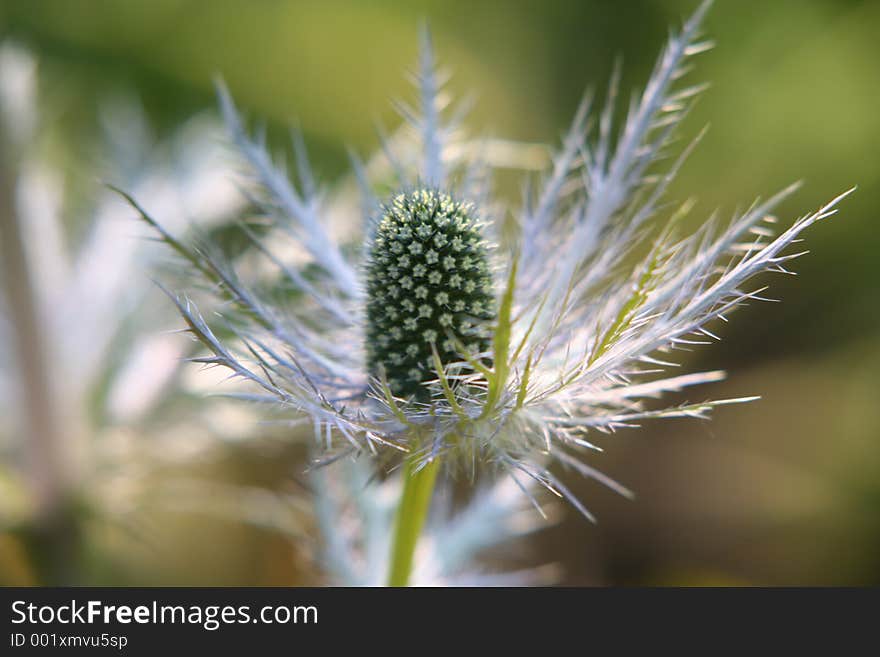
[[428, 287]]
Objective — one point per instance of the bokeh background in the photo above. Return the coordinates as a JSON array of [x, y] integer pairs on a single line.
[[163, 486]]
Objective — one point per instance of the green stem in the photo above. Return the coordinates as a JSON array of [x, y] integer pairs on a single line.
[[411, 514]]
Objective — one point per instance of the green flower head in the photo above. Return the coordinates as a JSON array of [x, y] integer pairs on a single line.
[[429, 289]]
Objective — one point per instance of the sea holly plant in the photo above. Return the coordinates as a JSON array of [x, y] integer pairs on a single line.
[[449, 336]]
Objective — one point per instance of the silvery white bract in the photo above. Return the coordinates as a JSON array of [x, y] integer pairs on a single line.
[[355, 515], [85, 374], [593, 289]]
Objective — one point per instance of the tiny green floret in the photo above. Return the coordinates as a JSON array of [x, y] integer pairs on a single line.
[[429, 287]]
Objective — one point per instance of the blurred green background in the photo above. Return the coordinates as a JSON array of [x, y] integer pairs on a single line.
[[782, 491]]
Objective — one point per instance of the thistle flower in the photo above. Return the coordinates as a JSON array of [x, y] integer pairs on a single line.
[[445, 333]]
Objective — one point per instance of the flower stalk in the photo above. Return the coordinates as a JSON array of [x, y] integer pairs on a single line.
[[53, 533], [418, 488]]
